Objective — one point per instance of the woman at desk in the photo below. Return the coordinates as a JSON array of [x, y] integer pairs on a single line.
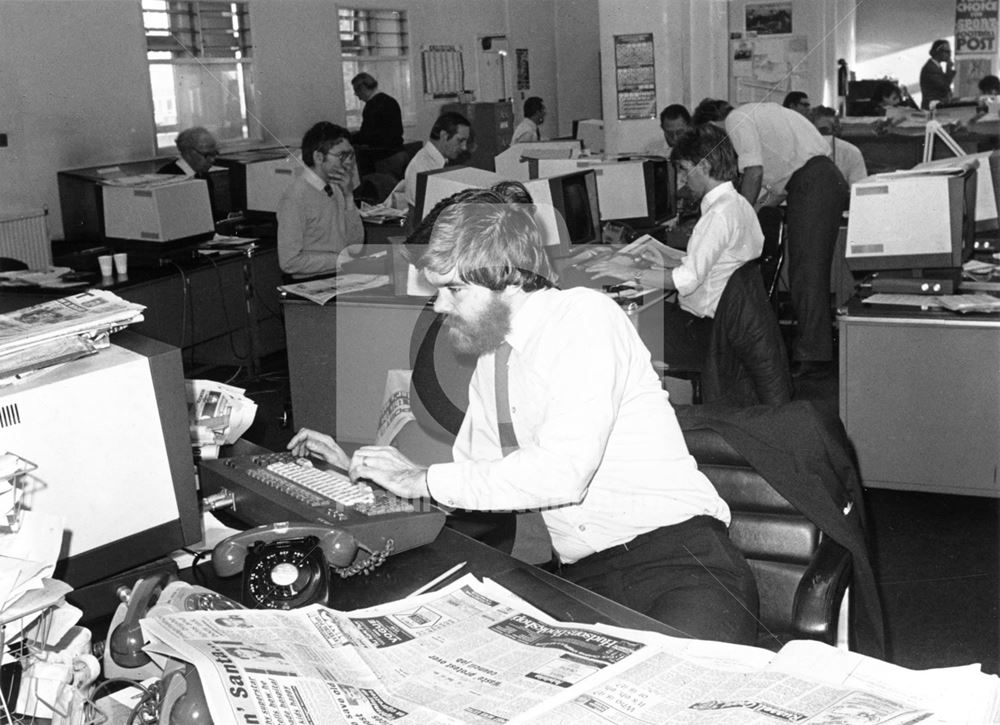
[[727, 236]]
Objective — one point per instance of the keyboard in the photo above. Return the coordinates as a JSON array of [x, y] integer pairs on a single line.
[[273, 487]]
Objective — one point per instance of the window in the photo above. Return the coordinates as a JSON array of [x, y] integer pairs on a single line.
[[200, 56], [376, 42]]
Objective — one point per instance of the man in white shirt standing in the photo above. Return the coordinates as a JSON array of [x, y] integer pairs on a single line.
[[846, 155], [449, 139], [575, 424], [529, 129], [782, 157]]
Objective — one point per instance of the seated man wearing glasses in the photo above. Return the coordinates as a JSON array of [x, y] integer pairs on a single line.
[[197, 149], [317, 217]]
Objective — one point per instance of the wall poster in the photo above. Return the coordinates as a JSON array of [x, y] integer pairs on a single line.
[[769, 19], [635, 76], [523, 72]]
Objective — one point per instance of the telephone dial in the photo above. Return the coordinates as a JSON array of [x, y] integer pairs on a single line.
[[287, 565]]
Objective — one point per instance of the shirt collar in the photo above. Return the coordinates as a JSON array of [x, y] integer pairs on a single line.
[[184, 166], [528, 318], [313, 179], [710, 197], [435, 153]]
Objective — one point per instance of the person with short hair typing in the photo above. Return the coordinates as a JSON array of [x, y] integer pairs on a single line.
[[726, 236], [317, 218], [567, 417]]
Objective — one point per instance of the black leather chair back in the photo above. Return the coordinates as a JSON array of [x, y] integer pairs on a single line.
[[801, 573]]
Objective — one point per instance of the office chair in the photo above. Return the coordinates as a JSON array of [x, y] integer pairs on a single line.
[[745, 363], [801, 574], [790, 479]]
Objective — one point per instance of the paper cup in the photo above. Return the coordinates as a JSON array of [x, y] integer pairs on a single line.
[[121, 263], [105, 261]]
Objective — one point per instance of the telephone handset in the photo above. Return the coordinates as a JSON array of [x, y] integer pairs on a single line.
[[286, 564]]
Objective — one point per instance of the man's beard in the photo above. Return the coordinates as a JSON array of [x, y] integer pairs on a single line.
[[483, 334]]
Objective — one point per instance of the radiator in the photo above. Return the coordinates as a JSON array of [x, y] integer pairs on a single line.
[[24, 235]]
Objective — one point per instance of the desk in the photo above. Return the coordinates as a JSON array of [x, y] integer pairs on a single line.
[[219, 310], [920, 398], [340, 353], [338, 357]]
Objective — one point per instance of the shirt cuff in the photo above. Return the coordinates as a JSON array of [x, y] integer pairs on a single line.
[[684, 280]]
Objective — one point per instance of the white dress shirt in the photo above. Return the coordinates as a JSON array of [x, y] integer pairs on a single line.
[[726, 236], [777, 138], [601, 451], [848, 159], [427, 158], [526, 131]]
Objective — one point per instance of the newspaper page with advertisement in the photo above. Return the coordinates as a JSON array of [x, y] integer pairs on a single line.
[[472, 652], [92, 313], [807, 682], [475, 653]]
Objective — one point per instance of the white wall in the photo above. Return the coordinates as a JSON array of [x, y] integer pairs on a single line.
[[828, 26], [678, 27], [578, 53], [74, 85]]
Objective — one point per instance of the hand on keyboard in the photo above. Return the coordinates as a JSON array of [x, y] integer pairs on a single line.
[[319, 445]]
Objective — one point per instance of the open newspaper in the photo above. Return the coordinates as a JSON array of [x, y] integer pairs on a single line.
[[475, 653], [323, 290], [57, 329]]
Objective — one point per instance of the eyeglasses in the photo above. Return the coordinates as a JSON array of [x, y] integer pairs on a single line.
[[211, 154], [343, 156]]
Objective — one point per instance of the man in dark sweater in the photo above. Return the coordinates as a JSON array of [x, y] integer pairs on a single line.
[[381, 132]]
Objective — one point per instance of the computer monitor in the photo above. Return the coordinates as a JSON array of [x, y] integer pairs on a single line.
[[158, 209], [81, 195], [568, 211], [512, 163], [987, 185], [258, 178], [438, 184], [109, 435], [913, 221], [590, 133], [640, 192]]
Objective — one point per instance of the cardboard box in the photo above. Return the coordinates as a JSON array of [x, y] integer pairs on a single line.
[[155, 211]]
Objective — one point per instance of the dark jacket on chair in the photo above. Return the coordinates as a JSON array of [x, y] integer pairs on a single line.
[[806, 457], [746, 362]]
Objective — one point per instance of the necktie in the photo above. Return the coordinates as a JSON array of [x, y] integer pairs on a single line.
[[532, 543], [328, 189], [508, 439]]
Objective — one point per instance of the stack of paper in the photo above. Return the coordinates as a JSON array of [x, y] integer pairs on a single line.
[[59, 330]]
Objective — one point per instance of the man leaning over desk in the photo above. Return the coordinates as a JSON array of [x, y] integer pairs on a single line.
[[585, 433], [317, 217]]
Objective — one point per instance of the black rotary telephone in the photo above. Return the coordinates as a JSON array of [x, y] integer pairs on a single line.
[[287, 565]]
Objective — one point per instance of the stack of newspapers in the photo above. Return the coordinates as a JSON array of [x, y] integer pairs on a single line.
[[60, 330]]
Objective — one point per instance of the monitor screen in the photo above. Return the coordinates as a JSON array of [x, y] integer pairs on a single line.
[[567, 210], [121, 474]]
